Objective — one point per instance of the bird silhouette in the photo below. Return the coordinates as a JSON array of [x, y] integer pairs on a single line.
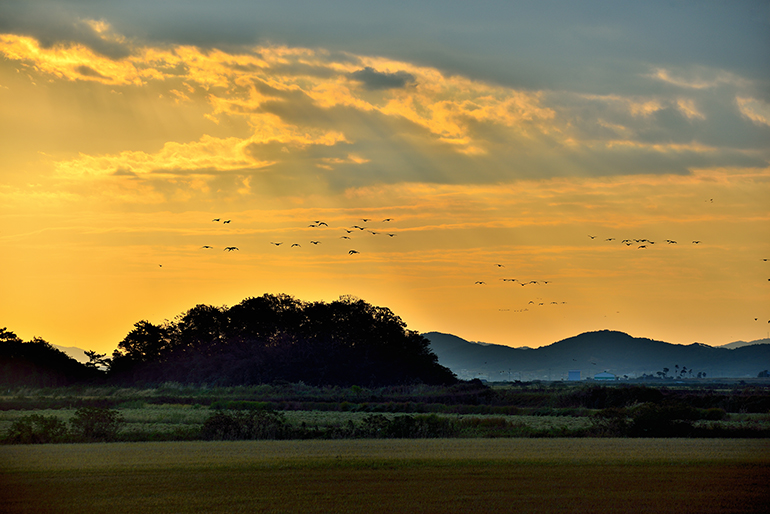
[[392, 235], [387, 219], [344, 237], [366, 219], [206, 246], [322, 223], [295, 244], [592, 237], [696, 242], [230, 248], [216, 219], [499, 265], [480, 282], [226, 221], [351, 252], [276, 244], [315, 242]]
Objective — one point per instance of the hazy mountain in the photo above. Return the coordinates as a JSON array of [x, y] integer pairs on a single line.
[[594, 352], [739, 344], [76, 353]]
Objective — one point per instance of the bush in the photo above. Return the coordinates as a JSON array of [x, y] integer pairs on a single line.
[[407, 426], [36, 429], [257, 424], [92, 424]]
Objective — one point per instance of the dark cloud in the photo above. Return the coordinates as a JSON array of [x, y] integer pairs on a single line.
[[124, 172], [87, 71], [374, 80], [591, 46]]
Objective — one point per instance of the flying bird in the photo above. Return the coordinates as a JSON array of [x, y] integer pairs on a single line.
[[392, 235], [344, 237], [296, 244], [351, 252], [206, 246], [216, 219], [480, 282], [671, 241], [226, 221], [499, 265], [387, 219], [276, 244], [230, 248], [366, 219], [315, 242], [696, 242], [592, 237], [322, 223]]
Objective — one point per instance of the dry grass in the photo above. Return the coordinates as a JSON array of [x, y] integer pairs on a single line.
[[373, 476]]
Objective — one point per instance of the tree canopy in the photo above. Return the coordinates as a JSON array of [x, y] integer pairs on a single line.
[[277, 337], [37, 363]]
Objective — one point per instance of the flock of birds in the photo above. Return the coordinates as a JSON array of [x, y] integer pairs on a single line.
[[348, 231], [314, 224], [640, 243]]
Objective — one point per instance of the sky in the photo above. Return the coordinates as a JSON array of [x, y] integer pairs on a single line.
[[528, 171]]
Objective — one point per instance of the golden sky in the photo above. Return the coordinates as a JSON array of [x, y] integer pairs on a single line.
[[120, 147]]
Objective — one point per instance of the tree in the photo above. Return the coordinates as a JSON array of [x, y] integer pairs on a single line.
[[97, 360]]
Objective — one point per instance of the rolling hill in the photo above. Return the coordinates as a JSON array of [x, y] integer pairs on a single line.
[[593, 352]]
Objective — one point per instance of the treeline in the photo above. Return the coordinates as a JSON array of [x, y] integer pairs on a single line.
[[38, 364], [261, 340]]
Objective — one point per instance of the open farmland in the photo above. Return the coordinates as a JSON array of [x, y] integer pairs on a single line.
[[457, 475]]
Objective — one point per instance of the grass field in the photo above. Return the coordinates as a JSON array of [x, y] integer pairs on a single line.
[[373, 476]]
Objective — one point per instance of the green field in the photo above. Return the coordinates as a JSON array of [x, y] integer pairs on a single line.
[[372, 476]]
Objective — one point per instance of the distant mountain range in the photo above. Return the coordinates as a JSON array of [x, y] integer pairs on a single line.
[[590, 353], [593, 352]]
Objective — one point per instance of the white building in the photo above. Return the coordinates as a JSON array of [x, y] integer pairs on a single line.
[[605, 376]]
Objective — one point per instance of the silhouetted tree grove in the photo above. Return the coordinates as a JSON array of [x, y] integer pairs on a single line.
[[277, 337], [36, 363]]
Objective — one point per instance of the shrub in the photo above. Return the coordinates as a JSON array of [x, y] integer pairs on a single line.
[[91, 424], [256, 424], [36, 429]]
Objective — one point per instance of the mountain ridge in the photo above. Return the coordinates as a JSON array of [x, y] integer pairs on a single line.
[[591, 352]]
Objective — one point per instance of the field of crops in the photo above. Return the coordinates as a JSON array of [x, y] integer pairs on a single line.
[[372, 476]]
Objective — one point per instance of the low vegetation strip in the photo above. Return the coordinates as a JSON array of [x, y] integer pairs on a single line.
[[104, 457], [374, 476]]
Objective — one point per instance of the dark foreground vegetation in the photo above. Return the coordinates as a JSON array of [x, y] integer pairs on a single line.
[[462, 410]]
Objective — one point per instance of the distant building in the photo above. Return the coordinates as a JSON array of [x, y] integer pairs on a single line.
[[574, 375], [605, 376]]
